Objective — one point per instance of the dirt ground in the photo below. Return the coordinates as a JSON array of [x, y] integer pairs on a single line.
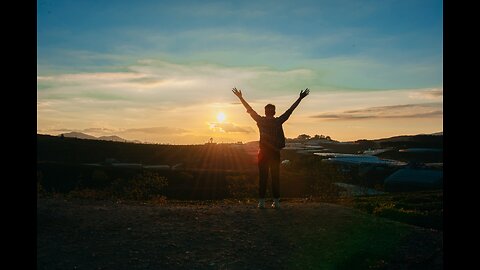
[[82, 234]]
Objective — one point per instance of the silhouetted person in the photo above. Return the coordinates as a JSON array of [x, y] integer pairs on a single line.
[[272, 140]]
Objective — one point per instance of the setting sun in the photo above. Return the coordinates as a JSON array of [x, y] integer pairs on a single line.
[[221, 117]]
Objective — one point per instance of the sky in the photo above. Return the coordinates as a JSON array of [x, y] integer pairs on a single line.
[[163, 71]]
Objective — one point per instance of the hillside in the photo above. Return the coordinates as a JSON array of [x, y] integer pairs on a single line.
[[209, 171], [54, 148], [93, 215], [209, 156], [80, 135]]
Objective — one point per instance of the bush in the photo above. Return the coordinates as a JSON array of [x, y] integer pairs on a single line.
[[241, 186], [143, 186], [146, 186], [417, 208]]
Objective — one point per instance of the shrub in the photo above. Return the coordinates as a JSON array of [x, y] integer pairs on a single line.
[[143, 186], [241, 186], [147, 185]]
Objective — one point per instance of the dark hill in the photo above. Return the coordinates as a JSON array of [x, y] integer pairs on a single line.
[[415, 141], [208, 156]]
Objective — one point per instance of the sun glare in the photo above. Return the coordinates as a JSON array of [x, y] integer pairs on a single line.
[[221, 117]]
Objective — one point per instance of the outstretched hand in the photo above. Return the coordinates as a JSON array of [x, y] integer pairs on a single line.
[[237, 93], [304, 93]]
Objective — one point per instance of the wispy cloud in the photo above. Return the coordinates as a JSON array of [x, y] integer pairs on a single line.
[[223, 10], [230, 128], [91, 77], [156, 130], [161, 82], [99, 130], [55, 131], [435, 93], [120, 131], [425, 110]]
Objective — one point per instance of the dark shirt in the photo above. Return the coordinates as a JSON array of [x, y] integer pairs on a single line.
[[272, 137]]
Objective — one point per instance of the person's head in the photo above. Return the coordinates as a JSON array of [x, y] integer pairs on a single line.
[[269, 110]]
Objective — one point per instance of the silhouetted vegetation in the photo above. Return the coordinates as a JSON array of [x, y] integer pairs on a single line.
[[306, 137], [210, 171], [422, 208], [77, 168], [79, 151], [423, 141]]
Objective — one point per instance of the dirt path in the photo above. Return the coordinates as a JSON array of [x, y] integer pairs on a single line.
[[226, 235]]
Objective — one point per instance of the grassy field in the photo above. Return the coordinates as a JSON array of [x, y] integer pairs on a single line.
[[422, 208]]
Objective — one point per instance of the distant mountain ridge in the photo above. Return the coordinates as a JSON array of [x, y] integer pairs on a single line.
[[115, 138], [80, 135], [408, 137]]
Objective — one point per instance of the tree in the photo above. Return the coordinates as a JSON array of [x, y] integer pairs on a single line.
[[303, 137]]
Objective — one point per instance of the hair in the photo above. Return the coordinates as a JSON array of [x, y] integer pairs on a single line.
[[269, 106], [270, 110]]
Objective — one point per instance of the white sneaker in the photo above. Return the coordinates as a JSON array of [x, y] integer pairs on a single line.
[[261, 203], [276, 203]]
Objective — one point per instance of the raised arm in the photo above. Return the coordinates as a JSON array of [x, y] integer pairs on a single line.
[[252, 113], [303, 93]]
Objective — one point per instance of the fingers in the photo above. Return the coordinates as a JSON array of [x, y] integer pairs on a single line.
[[237, 92], [304, 93]]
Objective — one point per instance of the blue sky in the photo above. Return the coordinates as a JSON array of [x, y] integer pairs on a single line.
[[100, 63]]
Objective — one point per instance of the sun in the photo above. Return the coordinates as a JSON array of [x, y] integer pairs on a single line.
[[221, 117]]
